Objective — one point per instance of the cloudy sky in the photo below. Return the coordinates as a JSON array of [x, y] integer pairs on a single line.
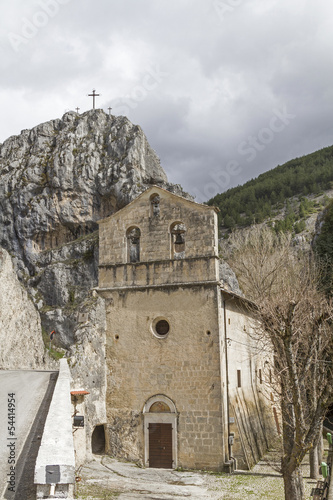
[[223, 89]]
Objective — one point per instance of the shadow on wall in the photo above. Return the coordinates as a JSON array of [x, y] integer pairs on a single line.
[[255, 429]]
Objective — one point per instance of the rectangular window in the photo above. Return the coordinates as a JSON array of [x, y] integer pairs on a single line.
[[239, 378], [228, 321]]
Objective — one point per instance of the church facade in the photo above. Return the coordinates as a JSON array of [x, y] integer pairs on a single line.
[[185, 385]]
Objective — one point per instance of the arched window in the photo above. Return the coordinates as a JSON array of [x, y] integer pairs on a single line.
[[133, 244], [155, 205], [178, 231], [159, 404], [159, 407]]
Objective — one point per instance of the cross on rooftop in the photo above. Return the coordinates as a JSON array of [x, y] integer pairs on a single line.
[[93, 95]]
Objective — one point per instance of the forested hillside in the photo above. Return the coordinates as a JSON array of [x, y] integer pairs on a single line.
[[323, 247], [261, 198]]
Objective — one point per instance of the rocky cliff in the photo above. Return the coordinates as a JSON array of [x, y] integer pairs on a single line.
[[56, 181], [21, 343]]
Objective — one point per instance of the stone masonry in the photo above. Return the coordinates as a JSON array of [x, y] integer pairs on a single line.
[[165, 333]]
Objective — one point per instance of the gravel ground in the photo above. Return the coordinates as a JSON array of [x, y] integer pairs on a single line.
[[106, 478], [263, 482]]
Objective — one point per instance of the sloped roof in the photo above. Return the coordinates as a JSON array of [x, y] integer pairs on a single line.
[[157, 189], [233, 295]]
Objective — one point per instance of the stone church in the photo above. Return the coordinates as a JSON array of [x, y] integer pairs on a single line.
[[185, 384]]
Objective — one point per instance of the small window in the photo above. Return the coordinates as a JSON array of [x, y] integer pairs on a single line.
[[160, 328], [155, 205], [133, 244], [239, 378]]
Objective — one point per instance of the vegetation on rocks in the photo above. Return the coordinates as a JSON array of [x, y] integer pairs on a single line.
[[260, 198], [323, 247]]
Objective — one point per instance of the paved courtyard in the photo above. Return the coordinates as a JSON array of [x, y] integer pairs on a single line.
[[106, 478]]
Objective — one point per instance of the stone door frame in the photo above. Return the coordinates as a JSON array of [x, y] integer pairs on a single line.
[[160, 418]]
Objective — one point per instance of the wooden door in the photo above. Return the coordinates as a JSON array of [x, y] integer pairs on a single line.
[[160, 446]]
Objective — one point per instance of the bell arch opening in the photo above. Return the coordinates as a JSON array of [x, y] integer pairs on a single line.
[[155, 205], [178, 236], [133, 235]]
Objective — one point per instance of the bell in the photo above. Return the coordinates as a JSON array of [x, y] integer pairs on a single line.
[[179, 239]]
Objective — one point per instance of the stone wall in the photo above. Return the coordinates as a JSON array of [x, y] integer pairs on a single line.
[[155, 240], [163, 272], [184, 366], [56, 452], [252, 420], [159, 262]]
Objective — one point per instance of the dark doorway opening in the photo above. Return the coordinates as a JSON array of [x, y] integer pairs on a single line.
[[98, 440]]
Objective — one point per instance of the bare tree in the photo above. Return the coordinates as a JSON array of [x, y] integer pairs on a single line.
[[295, 320]]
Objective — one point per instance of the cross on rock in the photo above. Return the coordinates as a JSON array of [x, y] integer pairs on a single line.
[[109, 111], [93, 95], [77, 110]]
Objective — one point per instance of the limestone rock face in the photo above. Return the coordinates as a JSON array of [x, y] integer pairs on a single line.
[[62, 176], [56, 181], [21, 343], [228, 278]]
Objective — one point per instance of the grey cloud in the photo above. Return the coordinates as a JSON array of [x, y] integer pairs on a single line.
[[223, 78]]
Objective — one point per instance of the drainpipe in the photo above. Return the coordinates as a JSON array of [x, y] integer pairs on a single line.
[[227, 383]]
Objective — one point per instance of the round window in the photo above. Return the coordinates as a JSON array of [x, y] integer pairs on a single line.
[[162, 327]]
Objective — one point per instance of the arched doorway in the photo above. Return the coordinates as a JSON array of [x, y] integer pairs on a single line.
[[160, 432], [98, 440]]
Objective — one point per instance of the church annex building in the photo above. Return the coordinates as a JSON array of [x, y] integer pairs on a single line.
[[185, 385]]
